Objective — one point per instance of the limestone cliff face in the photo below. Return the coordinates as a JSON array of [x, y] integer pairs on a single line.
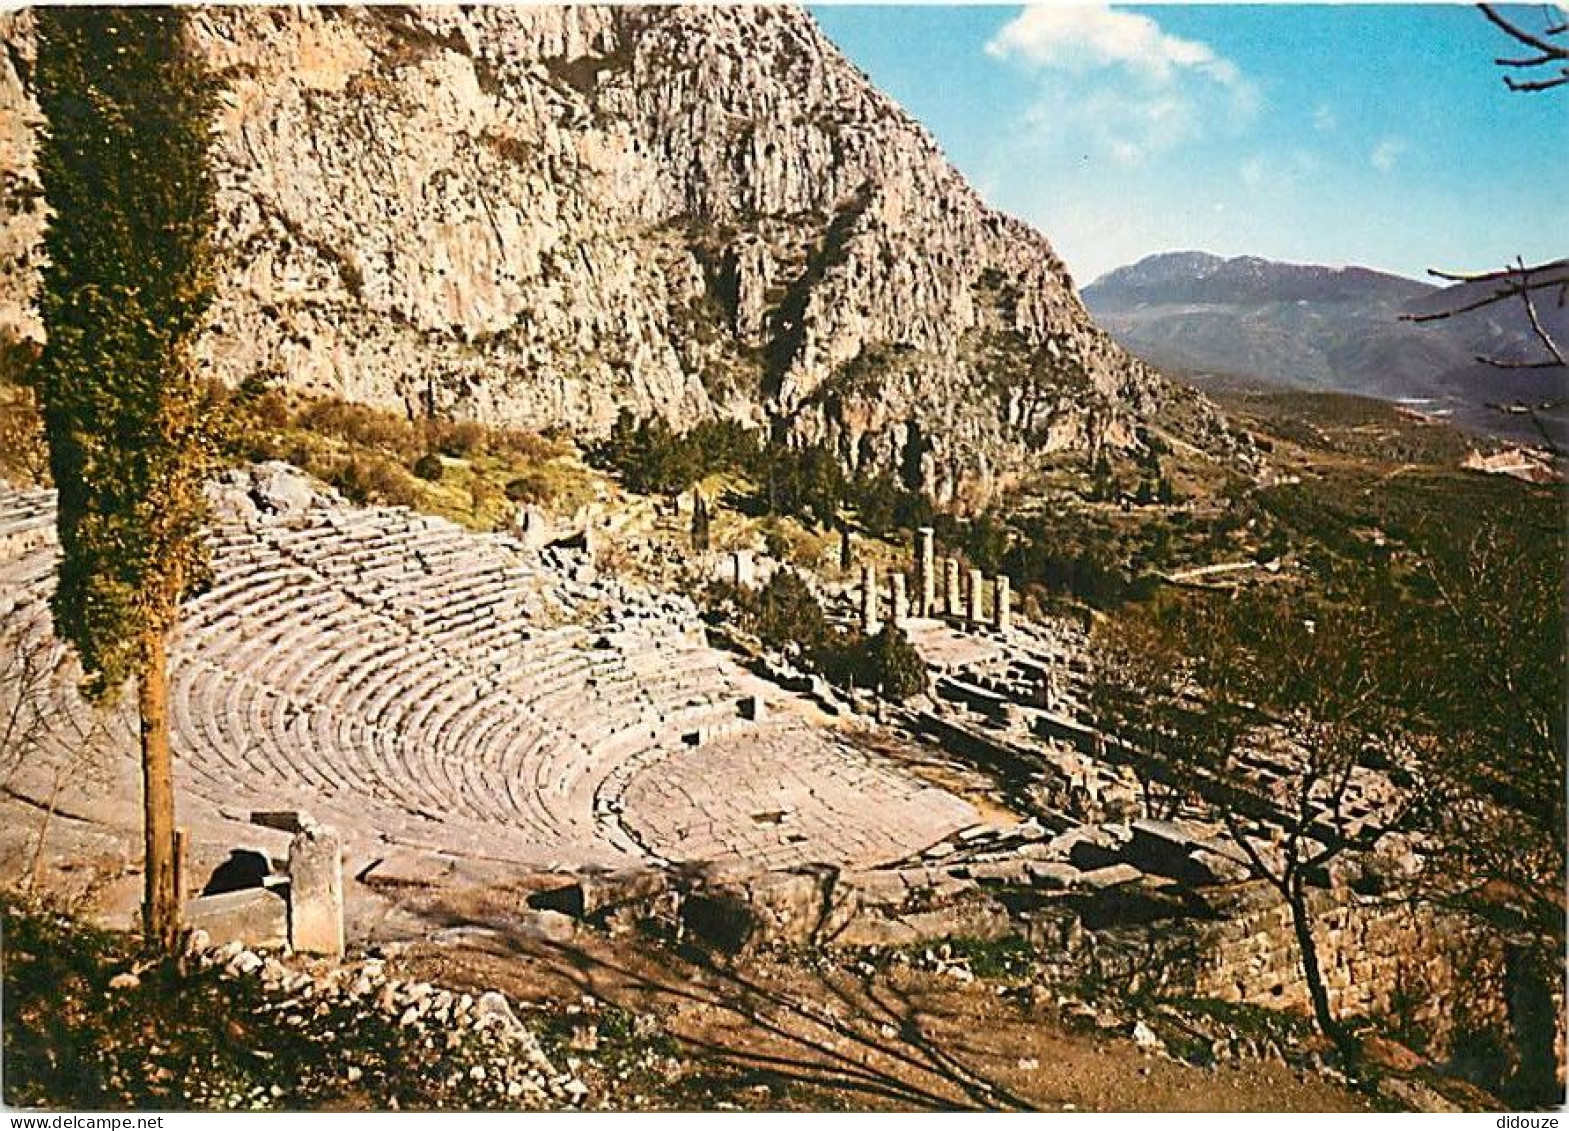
[[537, 216]]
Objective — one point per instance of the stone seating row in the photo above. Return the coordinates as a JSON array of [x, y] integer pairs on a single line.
[[396, 676]]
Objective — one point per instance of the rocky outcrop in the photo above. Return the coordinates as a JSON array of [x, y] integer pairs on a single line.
[[538, 216]]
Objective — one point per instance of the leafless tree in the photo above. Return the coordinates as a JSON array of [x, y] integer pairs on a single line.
[[52, 748], [1523, 282], [1137, 676], [1300, 706], [1269, 722], [1498, 618]]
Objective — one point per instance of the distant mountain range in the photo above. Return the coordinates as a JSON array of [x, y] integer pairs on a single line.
[[1329, 329]]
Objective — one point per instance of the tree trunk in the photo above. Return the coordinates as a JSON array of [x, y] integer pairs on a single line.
[[1302, 924], [36, 862], [161, 909]]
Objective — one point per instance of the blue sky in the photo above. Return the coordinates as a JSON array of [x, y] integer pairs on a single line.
[[1372, 135]]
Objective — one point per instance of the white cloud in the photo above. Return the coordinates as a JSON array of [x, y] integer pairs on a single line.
[[1387, 153], [1324, 120], [1124, 125], [1114, 84], [1080, 36]]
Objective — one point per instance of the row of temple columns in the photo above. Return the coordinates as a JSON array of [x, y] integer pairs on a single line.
[[926, 604]]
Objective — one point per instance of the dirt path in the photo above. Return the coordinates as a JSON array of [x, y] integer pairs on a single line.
[[800, 1033]]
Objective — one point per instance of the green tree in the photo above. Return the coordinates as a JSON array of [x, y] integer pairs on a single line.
[[787, 614], [124, 168], [896, 668]]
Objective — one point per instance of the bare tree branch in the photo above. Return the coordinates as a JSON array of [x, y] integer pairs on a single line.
[[1536, 323], [1548, 54], [1518, 281]]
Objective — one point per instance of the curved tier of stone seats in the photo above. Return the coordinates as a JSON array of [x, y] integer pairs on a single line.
[[793, 795], [400, 677]]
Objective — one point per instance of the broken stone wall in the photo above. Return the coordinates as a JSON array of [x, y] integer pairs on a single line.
[[1416, 970]]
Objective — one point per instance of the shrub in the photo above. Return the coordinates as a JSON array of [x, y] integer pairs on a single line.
[[358, 424], [525, 445], [532, 486], [371, 479], [429, 467], [460, 439]]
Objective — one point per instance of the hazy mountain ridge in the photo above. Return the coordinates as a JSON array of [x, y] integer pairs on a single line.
[[1339, 329]]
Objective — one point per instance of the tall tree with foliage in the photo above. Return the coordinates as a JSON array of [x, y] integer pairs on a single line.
[[129, 278]]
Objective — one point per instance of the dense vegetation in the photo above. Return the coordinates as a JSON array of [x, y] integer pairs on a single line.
[[785, 615], [462, 470], [806, 482]]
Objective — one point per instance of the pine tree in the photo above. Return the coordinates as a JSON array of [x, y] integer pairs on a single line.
[[129, 278], [699, 521]]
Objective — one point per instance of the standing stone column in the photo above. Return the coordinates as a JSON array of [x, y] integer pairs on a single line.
[[925, 572], [316, 891], [976, 613], [951, 604], [1002, 611], [869, 599], [741, 571], [900, 598]]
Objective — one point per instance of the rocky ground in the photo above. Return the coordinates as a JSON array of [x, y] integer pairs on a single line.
[[590, 1024], [90, 1024]]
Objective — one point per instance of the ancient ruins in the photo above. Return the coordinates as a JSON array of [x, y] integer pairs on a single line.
[[442, 707]]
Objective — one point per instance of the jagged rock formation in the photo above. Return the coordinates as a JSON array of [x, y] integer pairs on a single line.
[[537, 216]]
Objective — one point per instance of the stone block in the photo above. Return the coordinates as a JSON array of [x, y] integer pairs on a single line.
[[737, 910], [878, 889], [316, 892], [289, 821], [257, 918], [793, 907], [1114, 875], [964, 919], [874, 930], [1053, 875], [594, 893]]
